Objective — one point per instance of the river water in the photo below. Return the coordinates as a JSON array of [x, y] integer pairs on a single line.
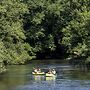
[[19, 77]]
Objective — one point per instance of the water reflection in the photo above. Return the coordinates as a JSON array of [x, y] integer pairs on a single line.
[[43, 78], [68, 78], [38, 78], [50, 78]]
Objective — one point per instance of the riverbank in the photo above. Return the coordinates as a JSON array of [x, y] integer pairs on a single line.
[[2, 68]]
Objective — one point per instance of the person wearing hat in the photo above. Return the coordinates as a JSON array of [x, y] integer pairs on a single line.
[[53, 71]]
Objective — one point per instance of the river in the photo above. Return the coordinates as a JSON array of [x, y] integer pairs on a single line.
[[19, 77]]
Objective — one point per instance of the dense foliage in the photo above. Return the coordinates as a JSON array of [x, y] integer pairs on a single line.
[[29, 28]]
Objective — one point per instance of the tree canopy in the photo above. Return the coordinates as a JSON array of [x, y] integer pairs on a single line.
[[32, 27]]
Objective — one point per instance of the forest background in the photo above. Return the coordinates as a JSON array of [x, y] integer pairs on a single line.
[[38, 29]]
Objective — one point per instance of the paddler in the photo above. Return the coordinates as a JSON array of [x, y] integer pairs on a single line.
[[54, 71]]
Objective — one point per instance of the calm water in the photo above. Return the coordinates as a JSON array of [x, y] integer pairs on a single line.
[[68, 78]]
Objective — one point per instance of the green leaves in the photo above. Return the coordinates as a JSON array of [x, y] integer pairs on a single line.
[[12, 9], [2, 52], [76, 32], [31, 26], [37, 19], [13, 48]]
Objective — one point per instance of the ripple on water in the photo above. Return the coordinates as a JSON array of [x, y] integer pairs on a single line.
[[67, 78], [50, 87]]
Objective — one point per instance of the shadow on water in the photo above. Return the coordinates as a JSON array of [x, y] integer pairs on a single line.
[[68, 78]]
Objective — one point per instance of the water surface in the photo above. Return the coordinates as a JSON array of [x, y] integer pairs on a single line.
[[19, 77]]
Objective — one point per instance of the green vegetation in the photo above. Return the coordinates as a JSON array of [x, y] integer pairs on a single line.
[[2, 67], [35, 28]]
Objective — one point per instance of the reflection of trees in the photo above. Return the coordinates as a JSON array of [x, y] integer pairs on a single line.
[[39, 78], [15, 76], [81, 75]]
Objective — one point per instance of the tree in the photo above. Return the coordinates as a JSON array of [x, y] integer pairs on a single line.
[[12, 32]]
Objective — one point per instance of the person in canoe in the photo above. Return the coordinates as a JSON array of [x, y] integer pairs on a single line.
[[37, 71], [50, 71], [54, 71]]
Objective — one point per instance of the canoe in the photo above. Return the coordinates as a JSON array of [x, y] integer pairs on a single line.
[[50, 75], [38, 73]]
